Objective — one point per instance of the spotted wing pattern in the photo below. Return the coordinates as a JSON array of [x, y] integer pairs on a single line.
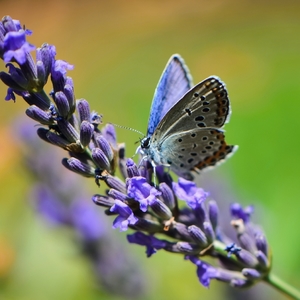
[[189, 137]]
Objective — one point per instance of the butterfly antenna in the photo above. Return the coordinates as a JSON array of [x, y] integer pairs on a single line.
[[128, 128]]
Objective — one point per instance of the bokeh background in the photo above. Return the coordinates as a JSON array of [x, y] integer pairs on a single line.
[[119, 49]]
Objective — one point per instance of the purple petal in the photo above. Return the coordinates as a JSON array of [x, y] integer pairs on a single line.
[[140, 190], [188, 191], [238, 212], [15, 46], [126, 216], [10, 95], [152, 244], [205, 272]]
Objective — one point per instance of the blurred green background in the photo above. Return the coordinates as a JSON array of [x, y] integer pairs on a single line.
[[119, 49]]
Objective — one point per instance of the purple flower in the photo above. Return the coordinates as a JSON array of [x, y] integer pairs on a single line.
[[140, 190], [152, 244], [188, 191], [58, 74], [238, 212], [15, 46], [10, 95], [125, 217], [109, 133], [205, 271], [60, 68]]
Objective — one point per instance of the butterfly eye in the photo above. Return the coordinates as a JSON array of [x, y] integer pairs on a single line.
[[145, 143]]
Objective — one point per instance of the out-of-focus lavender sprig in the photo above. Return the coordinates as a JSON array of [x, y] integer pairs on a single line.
[[152, 211], [67, 205]]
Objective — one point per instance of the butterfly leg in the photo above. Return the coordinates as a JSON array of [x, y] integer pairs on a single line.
[[154, 172]]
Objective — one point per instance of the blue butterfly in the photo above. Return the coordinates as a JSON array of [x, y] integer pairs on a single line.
[[184, 129]]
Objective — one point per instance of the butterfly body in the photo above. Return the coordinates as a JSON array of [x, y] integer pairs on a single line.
[[189, 136]]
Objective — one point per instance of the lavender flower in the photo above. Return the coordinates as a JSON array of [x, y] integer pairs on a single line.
[[192, 231], [66, 205]]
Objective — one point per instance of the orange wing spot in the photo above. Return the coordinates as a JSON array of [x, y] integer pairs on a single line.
[[216, 157]]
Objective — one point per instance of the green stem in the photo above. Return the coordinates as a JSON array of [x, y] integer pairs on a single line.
[[282, 286]]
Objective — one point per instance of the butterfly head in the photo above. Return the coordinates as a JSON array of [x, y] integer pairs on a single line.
[[145, 143]]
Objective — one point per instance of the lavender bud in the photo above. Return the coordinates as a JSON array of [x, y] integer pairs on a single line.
[[104, 145], [57, 140], [209, 232], [167, 195], [86, 133], [58, 74], [109, 133], [148, 226], [46, 55], [115, 183], [28, 67], [39, 100], [69, 93], [213, 212], [42, 133], [67, 130], [83, 108], [9, 24], [123, 168], [247, 258], [69, 81], [188, 248], [16, 82], [182, 232], [251, 273], [262, 259], [74, 121], [198, 236], [39, 115], [100, 159], [132, 168], [160, 209], [240, 283], [261, 243], [224, 275], [247, 242], [118, 195], [200, 215], [103, 200], [62, 104], [172, 247], [41, 73], [79, 167]]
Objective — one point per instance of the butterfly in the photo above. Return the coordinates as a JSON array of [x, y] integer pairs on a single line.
[[185, 124]]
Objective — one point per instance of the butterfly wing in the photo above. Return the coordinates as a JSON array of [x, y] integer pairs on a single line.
[[189, 137], [205, 105], [195, 150], [175, 81]]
